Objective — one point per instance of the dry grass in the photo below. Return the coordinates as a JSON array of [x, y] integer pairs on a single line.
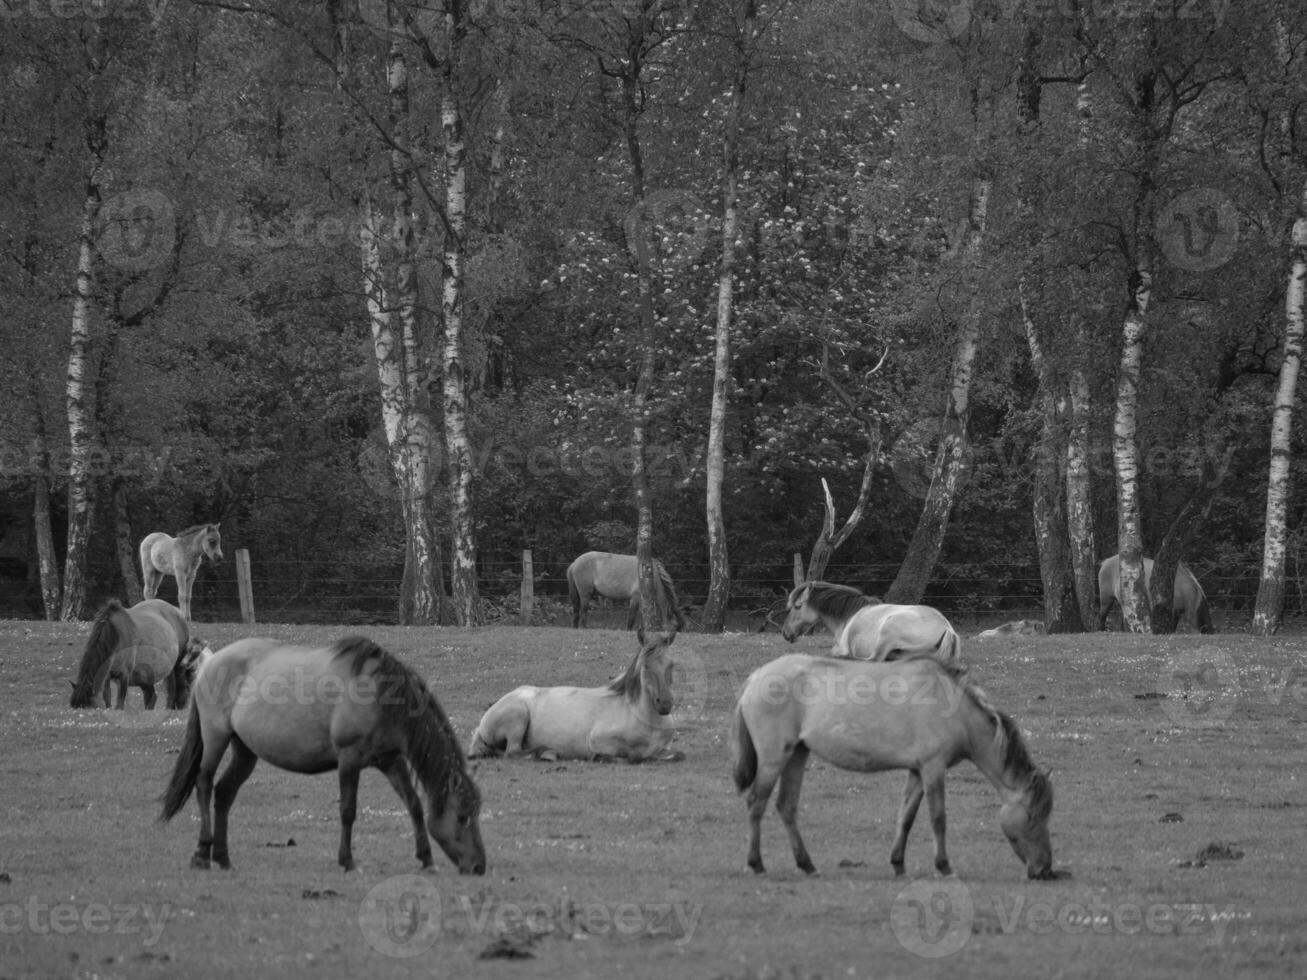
[[591, 864]]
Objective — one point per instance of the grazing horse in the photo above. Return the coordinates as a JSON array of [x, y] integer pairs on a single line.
[[179, 557], [915, 714], [314, 709], [1188, 604], [866, 628], [140, 646], [615, 577], [625, 719]]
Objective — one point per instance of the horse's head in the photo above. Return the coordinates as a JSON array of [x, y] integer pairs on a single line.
[[212, 543], [457, 829], [1025, 824], [656, 669], [800, 616]]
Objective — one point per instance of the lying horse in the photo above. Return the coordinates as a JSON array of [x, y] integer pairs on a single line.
[[311, 710], [625, 719], [866, 628], [162, 554], [616, 577], [140, 646], [1188, 604], [870, 717]]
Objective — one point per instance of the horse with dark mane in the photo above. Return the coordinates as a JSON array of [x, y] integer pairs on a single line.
[[866, 628], [916, 714], [1188, 600], [617, 577], [314, 709], [142, 646]]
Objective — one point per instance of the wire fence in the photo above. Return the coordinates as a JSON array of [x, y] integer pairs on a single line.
[[322, 591]]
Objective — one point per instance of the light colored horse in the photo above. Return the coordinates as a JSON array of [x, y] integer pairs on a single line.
[[625, 719], [615, 577], [162, 554], [866, 628], [311, 710], [141, 646], [1188, 603], [915, 714]]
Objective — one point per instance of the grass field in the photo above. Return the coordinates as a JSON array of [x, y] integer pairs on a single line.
[[1181, 819]]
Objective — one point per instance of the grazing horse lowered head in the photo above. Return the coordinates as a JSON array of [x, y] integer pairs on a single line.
[[142, 646], [866, 628], [616, 577], [1188, 602], [162, 554]]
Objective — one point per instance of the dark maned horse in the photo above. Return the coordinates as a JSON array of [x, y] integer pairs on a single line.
[[615, 577], [162, 554], [916, 714], [311, 710], [140, 646], [1188, 604]]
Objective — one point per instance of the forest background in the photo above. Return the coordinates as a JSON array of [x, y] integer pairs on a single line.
[[396, 291]]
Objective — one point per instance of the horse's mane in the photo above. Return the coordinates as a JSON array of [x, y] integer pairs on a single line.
[[193, 529], [433, 752], [1016, 757], [101, 645], [840, 601], [629, 683]]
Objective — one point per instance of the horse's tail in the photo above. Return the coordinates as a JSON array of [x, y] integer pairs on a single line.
[[577, 599], [101, 645], [669, 596], [185, 770], [948, 650], [1204, 612], [746, 754]]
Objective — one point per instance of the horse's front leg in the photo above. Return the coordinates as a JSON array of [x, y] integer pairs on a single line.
[[149, 694], [349, 795], [933, 778], [912, 793], [185, 579], [397, 772]]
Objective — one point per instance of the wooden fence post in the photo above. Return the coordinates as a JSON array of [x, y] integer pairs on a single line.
[[527, 605], [245, 584], [799, 573]]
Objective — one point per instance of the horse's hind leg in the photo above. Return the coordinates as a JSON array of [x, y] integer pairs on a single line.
[[934, 789], [214, 747], [787, 805], [238, 770], [912, 794], [397, 772], [757, 797], [148, 692], [1103, 610]]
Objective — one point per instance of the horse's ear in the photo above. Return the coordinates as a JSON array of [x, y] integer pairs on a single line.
[[671, 636], [639, 634], [73, 685]]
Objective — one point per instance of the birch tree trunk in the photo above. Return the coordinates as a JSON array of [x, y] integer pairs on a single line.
[[1079, 490], [81, 426], [46, 560], [909, 584], [463, 574], [1270, 590], [719, 565]]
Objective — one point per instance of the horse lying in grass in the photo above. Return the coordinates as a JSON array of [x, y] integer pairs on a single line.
[[916, 714], [625, 719], [1188, 603], [311, 710], [142, 646], [866, 628]]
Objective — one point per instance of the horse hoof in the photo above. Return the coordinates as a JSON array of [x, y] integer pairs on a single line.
[[808, 869], [200, 862], [756, 867], [898, 870]]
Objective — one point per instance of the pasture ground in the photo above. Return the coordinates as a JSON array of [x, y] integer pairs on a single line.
[[608, 870]]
